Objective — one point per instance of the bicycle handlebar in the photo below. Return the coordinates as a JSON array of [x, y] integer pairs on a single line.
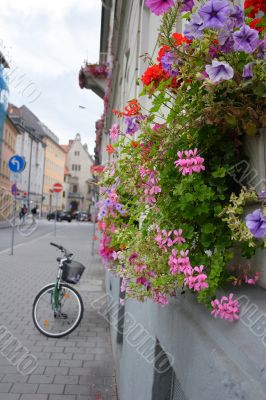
[[57, 245], [61, 248]]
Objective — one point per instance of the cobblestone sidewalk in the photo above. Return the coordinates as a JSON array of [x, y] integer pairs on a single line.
[[77, 367]]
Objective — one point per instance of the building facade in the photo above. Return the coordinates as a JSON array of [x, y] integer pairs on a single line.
[[78, 177], [54, 165], [8, 149], [32, 149], [48, 159], [202, 358]]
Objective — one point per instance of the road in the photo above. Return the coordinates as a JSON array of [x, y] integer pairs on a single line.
[[29, 231], [77, 367]]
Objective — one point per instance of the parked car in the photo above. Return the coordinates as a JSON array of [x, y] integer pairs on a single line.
[[60, 216], [83, 216]]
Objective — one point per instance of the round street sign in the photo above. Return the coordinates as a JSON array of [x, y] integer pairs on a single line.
[[57, 187], [14, 189], [16, 164]]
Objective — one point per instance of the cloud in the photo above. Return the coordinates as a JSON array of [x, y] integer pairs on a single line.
[[48, 41]]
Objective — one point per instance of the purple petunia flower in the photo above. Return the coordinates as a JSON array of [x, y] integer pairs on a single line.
[[226, 41], [132, 125], [256, 223], [159, 7], [262, 194], [248, 71], [187, 5], [169, 61], [194, 28], [219, 71], [236, 17], [262, 47], [215, 13], [246, 39]]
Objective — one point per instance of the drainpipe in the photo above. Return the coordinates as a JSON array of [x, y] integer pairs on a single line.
[[29, 180], [43, 177]]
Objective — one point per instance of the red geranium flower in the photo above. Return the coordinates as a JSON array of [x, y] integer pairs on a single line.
[[254, 25], [110, 149], [180, 39], [258, 5], [97, 168], [134, 144], [132, 108], [154, 74], [162, 52]]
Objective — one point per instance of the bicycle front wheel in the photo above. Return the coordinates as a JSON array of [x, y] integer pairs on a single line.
[[62, 321]]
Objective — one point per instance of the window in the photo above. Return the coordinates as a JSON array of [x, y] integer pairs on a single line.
[[166, 386], [76, 153], [64, 194], [79, 167], [73, 167], [75, 188]]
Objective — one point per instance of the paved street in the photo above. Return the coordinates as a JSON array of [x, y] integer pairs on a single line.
[[77, 367], [28, 231]]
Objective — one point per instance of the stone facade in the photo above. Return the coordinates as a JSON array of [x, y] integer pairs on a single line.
[[78, 177]]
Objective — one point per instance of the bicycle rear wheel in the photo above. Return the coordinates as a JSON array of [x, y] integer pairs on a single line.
[[60, 322]]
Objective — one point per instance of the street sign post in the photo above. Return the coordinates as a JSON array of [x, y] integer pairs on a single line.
[[16, 164], [57, 188], [14, 189]]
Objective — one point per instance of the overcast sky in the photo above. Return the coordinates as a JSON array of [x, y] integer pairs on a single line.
[[47, 41]]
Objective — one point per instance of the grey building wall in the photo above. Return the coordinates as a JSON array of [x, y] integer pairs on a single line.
[[211, 359]]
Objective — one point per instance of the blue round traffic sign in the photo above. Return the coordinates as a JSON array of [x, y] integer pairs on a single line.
[[16, 164]]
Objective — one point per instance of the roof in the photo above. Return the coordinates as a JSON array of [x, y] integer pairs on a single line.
[[65, 147], [37, 128]]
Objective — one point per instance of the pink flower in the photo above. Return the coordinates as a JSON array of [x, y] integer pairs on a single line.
[[132, 258], [140, 268], [160, 298], [252, 280], [123, 284], [113, 197], [189, 161], [179, 263], [114, 131], [159, 7], [165, 238], [227, 308], [196, 282], [178, 237], [150, 184], [144, 282]]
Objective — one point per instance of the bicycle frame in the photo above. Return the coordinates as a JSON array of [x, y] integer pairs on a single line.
[[55, 297]]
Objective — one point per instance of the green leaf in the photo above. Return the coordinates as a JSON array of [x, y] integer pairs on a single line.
[[219, 173]]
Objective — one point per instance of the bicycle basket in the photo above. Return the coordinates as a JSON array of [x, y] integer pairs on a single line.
[[72, 271]]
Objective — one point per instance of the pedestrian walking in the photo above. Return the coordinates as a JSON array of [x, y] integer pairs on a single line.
[[34, 212], [23, 212]]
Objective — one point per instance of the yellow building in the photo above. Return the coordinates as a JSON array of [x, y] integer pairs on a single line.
[[7, 150], [54, 166]]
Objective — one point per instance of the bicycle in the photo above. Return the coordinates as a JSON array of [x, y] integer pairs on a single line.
[[58, 307]]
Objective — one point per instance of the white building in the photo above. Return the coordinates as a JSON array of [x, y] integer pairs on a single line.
[[31, 147], [78, 177]]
